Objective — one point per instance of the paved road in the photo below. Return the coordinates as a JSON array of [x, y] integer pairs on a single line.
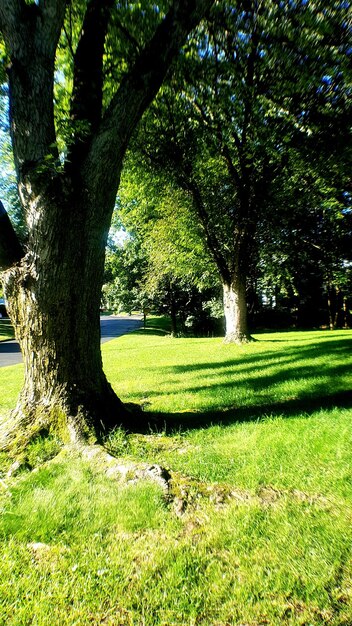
[[111, 327]]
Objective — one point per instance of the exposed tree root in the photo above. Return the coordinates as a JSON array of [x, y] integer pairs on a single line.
[[185, 494], [125, 471], [25, 425]]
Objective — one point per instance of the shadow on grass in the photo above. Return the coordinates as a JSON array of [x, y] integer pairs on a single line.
[[171, 422], [158, 326], [324, 368], [159, 332]]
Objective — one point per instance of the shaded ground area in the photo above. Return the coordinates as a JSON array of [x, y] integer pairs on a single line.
[[190, 420], [111, 327], [304, 377]]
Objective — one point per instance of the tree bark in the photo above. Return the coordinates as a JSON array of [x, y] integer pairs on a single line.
[[53, 301], [11, 250], [235, 311]]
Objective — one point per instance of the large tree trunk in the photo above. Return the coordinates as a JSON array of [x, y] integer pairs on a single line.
[[235, 311], [53, 296]]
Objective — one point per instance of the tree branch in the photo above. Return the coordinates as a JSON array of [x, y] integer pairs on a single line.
[[132, 40], [69, 41], [11, 250], [232, 168], [52, 18], [10, 13], [141, 84], [211, 239], [19, 23], [87, 94], [31, 33], [250, 79]]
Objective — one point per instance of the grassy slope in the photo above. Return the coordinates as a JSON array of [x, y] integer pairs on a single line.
[[265, 536]]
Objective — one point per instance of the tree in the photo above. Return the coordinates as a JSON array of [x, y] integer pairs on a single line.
[[176, 267], [256, 89], [305, 258], [125, 268], [68, 190]]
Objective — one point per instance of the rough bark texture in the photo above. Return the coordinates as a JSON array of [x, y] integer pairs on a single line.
[[53, 300], [53, 287], [235, 311]]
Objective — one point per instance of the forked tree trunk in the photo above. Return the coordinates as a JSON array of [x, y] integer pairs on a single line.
[[235, 311]]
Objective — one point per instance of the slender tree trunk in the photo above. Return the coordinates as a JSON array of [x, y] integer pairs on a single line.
[[173, 313], [235, 311], [332, 307], [345, 313]]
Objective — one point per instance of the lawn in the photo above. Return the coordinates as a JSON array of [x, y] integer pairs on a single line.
[[6, 330], [257, 528]]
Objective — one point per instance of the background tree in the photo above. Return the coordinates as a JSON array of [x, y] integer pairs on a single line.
[[178, 272], [125, 268], [257, 90], [305, 257], [67, 185]]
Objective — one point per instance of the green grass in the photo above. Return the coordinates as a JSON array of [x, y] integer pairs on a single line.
[[282, 372], [6, 330], [258, 439]]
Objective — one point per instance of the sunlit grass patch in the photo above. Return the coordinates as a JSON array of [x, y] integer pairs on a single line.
[[126, 557], [11, 380], [66, 499], [174, 375]]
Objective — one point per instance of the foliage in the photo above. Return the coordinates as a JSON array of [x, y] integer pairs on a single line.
[[159, 214], [124, 272], [307, 254], [131, 27], [162, 264], [8, 182]]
